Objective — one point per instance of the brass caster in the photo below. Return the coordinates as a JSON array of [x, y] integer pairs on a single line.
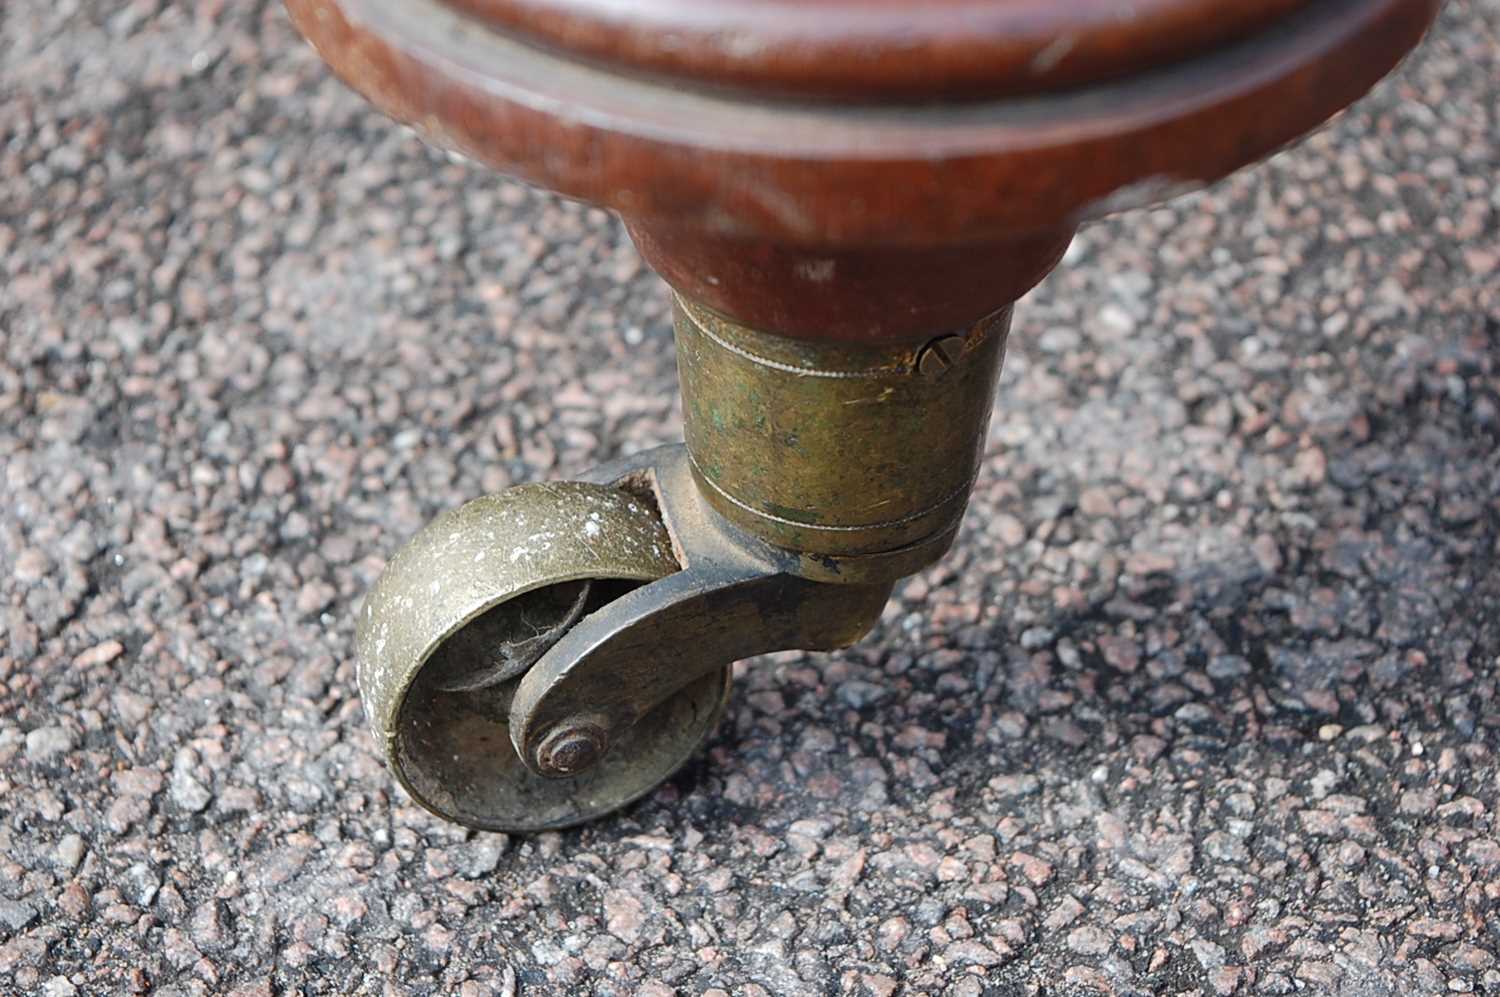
[[544, 656], [466, 609]]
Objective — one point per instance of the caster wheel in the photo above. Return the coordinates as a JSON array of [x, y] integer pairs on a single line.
[[460, 615]]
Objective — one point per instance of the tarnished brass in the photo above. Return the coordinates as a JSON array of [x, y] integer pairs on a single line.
[[836, 449], [545, 655], [734, 598], [542, 656], [539, 657], [472, 601]]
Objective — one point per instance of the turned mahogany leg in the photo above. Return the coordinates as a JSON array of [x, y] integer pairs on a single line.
[[847, 199]]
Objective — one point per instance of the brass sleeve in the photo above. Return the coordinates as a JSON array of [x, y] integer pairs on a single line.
[[831, 448]]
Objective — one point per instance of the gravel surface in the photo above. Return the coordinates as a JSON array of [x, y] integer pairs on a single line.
[[1203, 701]]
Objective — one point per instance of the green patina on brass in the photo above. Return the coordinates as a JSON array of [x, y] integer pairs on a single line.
[[832, 448]]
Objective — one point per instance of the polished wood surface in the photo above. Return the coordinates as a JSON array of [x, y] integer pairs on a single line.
[[732, 192], [890, 49]]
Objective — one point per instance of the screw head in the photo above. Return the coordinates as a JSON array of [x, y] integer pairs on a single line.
[[571, 747], [934, 359]]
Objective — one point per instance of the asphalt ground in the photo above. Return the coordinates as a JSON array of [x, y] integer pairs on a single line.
[[1204, 701]]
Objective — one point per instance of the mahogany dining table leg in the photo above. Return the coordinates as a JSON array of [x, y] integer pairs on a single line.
[[847, 199]]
